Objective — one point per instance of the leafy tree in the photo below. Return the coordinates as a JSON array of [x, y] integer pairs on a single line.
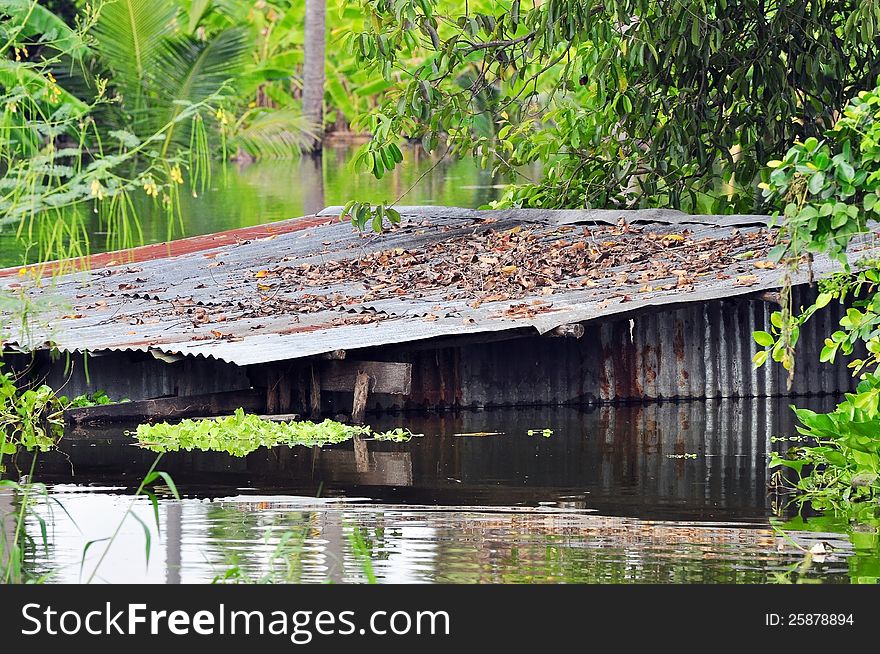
[[625, 103]]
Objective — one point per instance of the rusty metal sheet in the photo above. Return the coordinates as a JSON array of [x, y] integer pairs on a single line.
[[127, 307]]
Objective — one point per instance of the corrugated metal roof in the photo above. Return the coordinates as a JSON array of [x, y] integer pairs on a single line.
[[232, 303]]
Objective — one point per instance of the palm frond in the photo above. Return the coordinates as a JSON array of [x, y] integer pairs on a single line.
[[130, 36], [234, 10], [189, 71], [277, 134], [195, 10]]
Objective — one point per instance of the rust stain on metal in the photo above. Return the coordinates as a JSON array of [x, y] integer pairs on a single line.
[[305, 329], [648, 352]]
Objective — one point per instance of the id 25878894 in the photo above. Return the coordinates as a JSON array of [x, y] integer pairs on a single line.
[[808, 619]]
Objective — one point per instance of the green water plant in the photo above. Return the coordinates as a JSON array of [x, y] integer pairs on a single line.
[[242, 433], [829, 190], [861, 527], [32, 417]]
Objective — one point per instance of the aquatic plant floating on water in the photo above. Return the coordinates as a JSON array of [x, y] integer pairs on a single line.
[[546, 433], [242, 433]]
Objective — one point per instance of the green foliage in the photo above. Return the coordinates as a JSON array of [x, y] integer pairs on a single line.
[[56, 161], [241, 433], [843, 457], [31, 418], [861, 525], [31, 20], [626, 103], [363, 214], [830, 191], [15, 547], [830, 188], [156, 71]]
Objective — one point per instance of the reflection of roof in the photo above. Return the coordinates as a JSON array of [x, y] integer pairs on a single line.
[[299, 292]]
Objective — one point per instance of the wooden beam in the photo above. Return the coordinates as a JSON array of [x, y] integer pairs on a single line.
[[285, 393], [361, 455], [169, 408], [361, 393], [273, 381], [388, 376], [315, 392]]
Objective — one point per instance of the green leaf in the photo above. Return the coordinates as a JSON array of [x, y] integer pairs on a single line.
[[822, 300], [170, 483], [763, 339]]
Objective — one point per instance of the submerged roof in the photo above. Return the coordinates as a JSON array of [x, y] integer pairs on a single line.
[[312, 286]]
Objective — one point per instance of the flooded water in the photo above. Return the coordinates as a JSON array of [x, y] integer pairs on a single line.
[[268, 191], [659, 493]]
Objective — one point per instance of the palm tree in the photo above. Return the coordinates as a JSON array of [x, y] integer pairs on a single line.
[[158, 68], [313, 68]]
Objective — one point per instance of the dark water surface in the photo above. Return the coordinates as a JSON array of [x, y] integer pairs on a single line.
[[659, 493]]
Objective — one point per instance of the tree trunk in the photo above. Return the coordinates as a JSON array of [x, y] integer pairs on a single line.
[[313, 68], [311, 176]]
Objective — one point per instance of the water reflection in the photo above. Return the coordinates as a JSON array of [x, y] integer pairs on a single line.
[[608, 497], [268, 191], [621, 461]]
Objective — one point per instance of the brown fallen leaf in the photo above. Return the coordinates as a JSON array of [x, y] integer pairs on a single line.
[[746, 280]]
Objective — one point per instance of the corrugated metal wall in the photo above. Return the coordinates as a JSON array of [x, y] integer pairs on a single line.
[[694, 352]]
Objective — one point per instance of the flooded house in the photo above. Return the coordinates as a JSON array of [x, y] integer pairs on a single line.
[[454, 308], [598, 327]]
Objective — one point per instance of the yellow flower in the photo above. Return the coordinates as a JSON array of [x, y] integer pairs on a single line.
[[98, 190], [222, 117], [176, 175], [151, 188]]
